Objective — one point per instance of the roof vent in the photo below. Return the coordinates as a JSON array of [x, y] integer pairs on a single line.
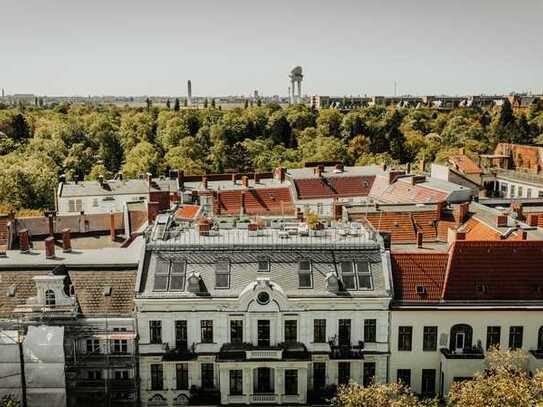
[[106, 291], [420, 289]]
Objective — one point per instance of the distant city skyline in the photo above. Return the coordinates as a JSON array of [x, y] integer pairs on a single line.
[[346, 47]]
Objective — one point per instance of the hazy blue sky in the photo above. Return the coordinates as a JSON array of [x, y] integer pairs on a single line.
[[136, 47]]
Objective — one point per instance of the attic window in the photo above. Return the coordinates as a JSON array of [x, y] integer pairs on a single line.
[[421, 289], [222, 273], [50, 297], [263, 264], [106, 291], [356, 275], [304, 273], [169, 275], [11, 290]]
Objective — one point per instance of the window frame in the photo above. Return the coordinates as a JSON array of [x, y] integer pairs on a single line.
[[169, 274], [155, 332], [207, 369], [181, 376], [343, 371], [491, 333], [157, 376], [367, 376], [94, 345], [290, 327], [206, 331], [513, 335], [305, 273], [289, 381], [226, 273], [408, 333], [401, 373], [356, 274], [50, 298], [262, 259], [370, 330], [239, 322], [319, 368], [235, 383], [181, 332], [319, 330], [429, 332]]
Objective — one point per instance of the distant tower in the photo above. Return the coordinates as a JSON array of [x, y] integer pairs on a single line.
[[255, 94], [189, 93], [296, 76]]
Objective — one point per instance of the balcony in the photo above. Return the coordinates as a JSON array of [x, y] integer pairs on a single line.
[[248, 351], [347, 351], [179, 354], [264, 398], [276, 354], [466, 353]]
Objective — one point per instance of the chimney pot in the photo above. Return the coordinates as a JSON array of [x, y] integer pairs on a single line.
[[66, 240], [257, 177], [24, 241], [460, 235], [501, 220], [280, 174], [524, 235], [152, 211], [204, 182], [50, 247], [234, 176]]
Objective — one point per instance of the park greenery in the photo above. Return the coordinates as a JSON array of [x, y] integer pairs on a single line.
[[39, 143]]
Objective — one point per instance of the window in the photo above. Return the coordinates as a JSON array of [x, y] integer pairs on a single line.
[[429, 340], [93, 345], [369, 373], [540, 339], [236, 382], [264, 380], [155, 331], [528, 192], [206, 330], [319, 330], [121, 375], [344, 373], [50, 297], [428, 386], [493, 336], [222, 273], [405, 338], [120, 346], [515, 337], [263, 332], [207, 376], [355, 274], [370, 330], [263, 264], [181, 342], [344, 332], [157, 382], [404, 376], [75, 205], [291, 330], [291, 382], [182, 376], [236, 331], [94, 374], [520, 191], [304, 274], [169, 275], [319, 375]]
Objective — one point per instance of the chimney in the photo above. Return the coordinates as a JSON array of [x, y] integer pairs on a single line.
[[280, 174], [51, 223], [181, 180], [338, 210], [517, 208], [24, 241], [501, 220], [245, 181], [50, 247], [440, 206], [257, 178], [533, 219], [383, 167], [101, 180], [234, 176], [173, 174], [204, 182], [66, 240], [242, 202], [339, 167], [204, 227], [419, 239], [422, 165], [299, 215], [413, 180], [523, 235], [148, 179], [76, 179], [112, 226], [460, 235], [408, 168], [120, 176], [460, 213], [318, 171], [62, 178], [152, 211]]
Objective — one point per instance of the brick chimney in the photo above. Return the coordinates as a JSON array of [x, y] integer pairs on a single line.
[[523, 235], [420, 236], [50, 247], [337, 210], [408, 168], [152, 211], [148, 179], [501, 220], [440, 206], [24, 241], [234, 176], [280, 174], [339, 167], [51, 223], [460, 235], [204, 183], [460, 213], [299, 215], [517, 208], [242, 202], [533, 219], [66, 240], [181, 179], [112, 226], [245, 181]]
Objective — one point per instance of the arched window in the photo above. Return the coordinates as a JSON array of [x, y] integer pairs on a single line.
[[540, 339], [461, 337], [50, 297]]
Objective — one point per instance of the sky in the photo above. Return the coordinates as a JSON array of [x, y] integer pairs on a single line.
[[232, 47]]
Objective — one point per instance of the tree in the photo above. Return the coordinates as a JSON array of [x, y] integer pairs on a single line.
[[168, 104], [9, 400], [329, 122], [246, 104], [176, 106], [213, 103], [141, 159], [187, 157], [148, 103], [185, 102], [135, 127], [205, 103]]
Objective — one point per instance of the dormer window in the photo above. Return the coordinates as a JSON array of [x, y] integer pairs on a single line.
[[356, 275], [263, 264], [222, 273], [347, 275], [170, 275], [304, 273], [364, 275], [50, 298]]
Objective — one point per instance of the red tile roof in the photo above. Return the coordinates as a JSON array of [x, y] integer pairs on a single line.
[[333, 187], [398, 224], [465, 164], [495, 271], [187, 211], [476, 230], [410, 269], [404, 192], [258, 201]]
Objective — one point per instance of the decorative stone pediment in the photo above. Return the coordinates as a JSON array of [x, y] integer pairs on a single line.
[[263, 295]]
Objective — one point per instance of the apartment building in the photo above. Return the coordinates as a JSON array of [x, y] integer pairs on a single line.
[[260, 314]]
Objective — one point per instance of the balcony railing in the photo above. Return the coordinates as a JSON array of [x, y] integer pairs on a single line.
[[248, 351], [466, 353], [347, 351], [264, 398]]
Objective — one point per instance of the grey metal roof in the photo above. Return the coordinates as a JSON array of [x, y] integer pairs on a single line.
[[116, 187], [308, 172]]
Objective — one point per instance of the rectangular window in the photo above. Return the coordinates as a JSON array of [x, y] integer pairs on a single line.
[[119, 346], [263, 264], [515, 337], [291, 330], [404, 376], [493, 336], [236, 332], [222, 273], [344, 332], [363, 275], [344, 373], [236, 382], [182, 376], [169, 275], [291, 382], [155, 331], [263, 328], [356, 274], [206, 331], [405, 336], [428, 385], [319, 330], [369, 373], [177, 275], [181, 342], [94, 374], [207, 376], [429, 340], [121, 375], [347, 275], [370, 330], [162, 273], [304, 274], [157, 382], [319, 375], [93, 346]]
